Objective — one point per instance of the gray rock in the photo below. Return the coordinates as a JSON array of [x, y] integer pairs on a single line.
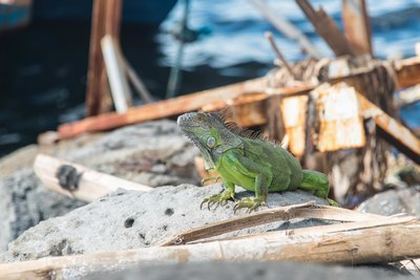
[[153, 154], [24, 203], [129, 219], [393, 202]]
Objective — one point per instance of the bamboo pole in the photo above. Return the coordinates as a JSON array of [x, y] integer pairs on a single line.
[[392, 241], [78, 181]]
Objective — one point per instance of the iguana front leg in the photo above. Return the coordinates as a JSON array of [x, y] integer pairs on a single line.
[[261, 190], [221, 198], [247, 168]]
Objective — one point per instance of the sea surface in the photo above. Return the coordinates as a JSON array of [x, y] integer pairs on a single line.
[[43, 66]]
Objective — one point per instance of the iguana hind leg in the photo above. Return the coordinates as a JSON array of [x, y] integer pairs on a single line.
[[317, 183], [221, 198]]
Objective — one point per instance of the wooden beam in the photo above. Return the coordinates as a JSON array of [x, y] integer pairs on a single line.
[[357, 26], [116, 73], [162, 109], [395, 129], [407, 72], [77, 181], [327, 29], [354, 243], [106, 18]]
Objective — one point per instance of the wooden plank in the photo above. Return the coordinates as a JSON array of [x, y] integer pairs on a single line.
[[327, 29], [115, 69], [77, 181], [407, 71], [340, 121], [106, 17], [293, 112], [357, 26], [395, 129], [306, 210], [356, 243]]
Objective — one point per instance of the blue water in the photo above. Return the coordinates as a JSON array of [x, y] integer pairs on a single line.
[[236, 30]]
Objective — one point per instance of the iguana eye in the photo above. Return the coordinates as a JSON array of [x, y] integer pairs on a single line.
[[211, 142]]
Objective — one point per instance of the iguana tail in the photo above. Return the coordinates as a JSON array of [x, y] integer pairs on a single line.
[[316, 183]]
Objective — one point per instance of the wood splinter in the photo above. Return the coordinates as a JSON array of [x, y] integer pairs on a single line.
[[279, 55]]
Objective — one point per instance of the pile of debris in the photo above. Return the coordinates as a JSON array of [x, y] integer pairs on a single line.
[[336, 115]]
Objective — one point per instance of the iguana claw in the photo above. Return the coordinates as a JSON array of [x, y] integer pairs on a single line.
[[252, 203], [218, 199]]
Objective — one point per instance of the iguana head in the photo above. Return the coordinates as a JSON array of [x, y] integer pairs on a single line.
[[209, 133]]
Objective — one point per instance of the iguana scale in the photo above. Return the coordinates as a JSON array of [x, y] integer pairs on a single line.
[[242, 160]]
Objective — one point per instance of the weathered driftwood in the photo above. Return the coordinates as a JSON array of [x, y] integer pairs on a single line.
[[305, 210], [407, 72], [327, 29], [357, 26], [353, 243], [106, 16], [115, 69], [78, 181]]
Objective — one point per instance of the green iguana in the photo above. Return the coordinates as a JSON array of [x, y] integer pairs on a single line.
[[247, 161]]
